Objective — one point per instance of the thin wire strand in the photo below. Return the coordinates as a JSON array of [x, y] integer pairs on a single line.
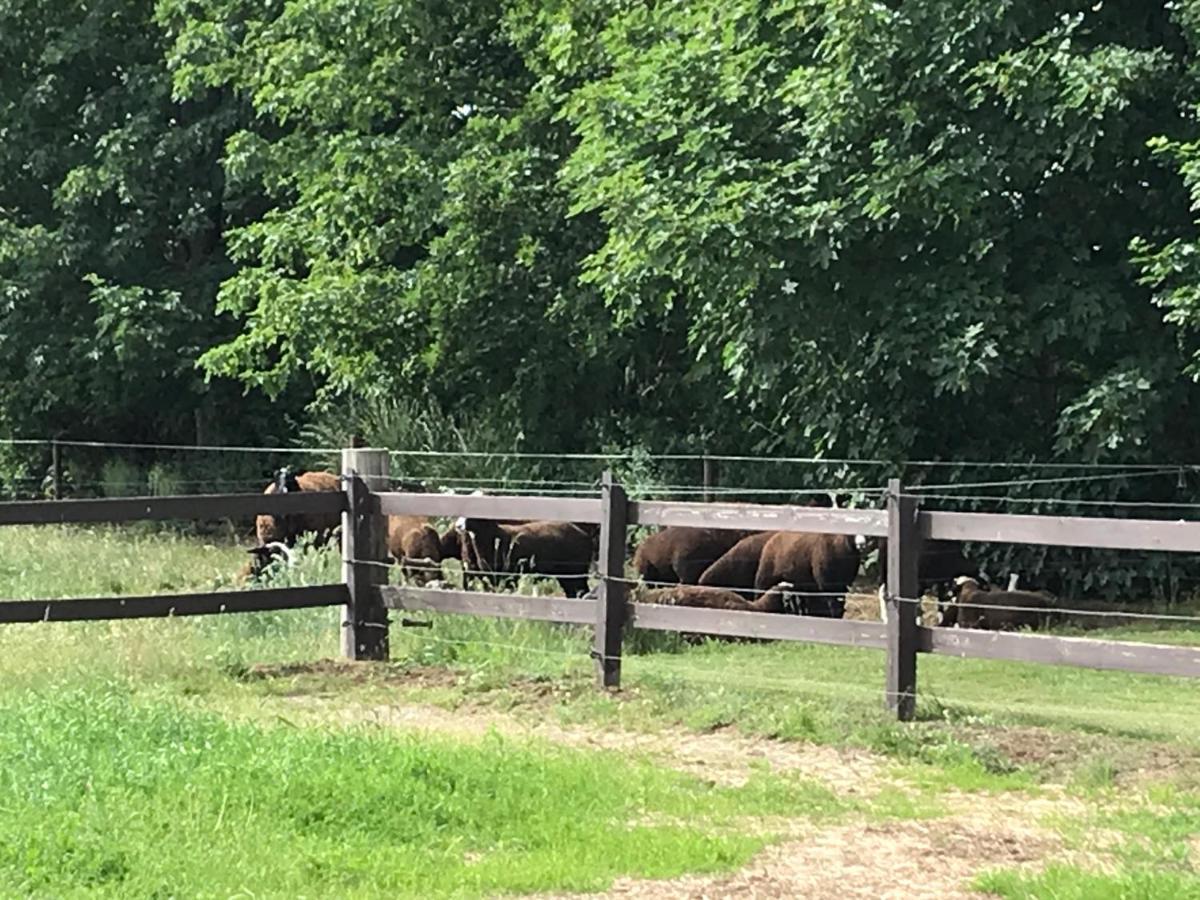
[[672, 457], [1063, 501], [200, 448], [918, 490], [733, 588]]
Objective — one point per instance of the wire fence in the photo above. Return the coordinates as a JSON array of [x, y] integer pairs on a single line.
[[1137, 489]]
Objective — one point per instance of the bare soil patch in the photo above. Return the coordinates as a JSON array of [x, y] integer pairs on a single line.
[[1060, 753], [895, 860], [347, 672]]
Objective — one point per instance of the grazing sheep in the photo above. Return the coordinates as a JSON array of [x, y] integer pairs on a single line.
[[715, 598], [287, 528], [973, 608], [680, 554], [261, 557], [737, 569], [284, 530], [450, 544], [939, 564], [561, 550], [823, 564], [415, 545]]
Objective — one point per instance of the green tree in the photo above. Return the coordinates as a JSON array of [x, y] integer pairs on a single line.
[[112, 210], [842, 227]]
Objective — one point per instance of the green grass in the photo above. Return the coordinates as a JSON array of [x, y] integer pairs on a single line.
[[1074, 883], [128, 764], [57, 561], [105, 795]]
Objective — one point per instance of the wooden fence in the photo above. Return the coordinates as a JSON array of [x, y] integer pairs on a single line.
[[366, 598]]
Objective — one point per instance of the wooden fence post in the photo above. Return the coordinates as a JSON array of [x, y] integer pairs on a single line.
[[610, 604], [364, 554], [56, 468], [903, 551]]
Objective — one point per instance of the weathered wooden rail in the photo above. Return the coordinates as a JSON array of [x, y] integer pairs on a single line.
[[366, 598]]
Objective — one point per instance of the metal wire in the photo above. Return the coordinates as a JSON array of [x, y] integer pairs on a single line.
[[734, 588], [918, 490], [673, 457], [1063, 501]]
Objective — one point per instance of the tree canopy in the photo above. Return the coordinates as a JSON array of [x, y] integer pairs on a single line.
[[951, 228]]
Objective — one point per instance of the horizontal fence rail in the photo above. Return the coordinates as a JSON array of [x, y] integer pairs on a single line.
[[559, 509], [211, 603], [760, 517], [1062, 531], [366, 598], [772, 626], [1125, 656], [198, 506], [477, 603]]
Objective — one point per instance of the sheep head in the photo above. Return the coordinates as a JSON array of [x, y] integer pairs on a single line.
[[264, 555]]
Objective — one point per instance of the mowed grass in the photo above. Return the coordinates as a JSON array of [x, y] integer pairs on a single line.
[[127, 767]]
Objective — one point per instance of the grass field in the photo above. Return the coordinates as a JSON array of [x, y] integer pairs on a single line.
[[207, 757]]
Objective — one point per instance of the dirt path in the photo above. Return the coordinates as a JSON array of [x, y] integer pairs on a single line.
[[922, 858]]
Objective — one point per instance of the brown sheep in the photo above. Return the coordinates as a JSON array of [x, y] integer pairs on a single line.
[[679, 554], [561, 550], [972, 608], [816, 564], [737, 569], [415, 545], [450, 544], [286, 529], [715, 598]]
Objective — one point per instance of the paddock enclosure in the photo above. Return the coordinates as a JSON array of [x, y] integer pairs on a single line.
[[367, 600]]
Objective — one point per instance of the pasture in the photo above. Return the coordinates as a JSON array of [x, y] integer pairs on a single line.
[[226, 756]]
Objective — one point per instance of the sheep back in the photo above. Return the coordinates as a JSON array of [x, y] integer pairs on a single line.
[[974, 609], [412, 537], [813, 563], [681, 554], [738, 566]]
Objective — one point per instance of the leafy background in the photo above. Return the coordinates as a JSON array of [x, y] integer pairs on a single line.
[[952, 229]]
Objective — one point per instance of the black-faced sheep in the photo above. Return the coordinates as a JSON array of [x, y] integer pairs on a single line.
[[561, 550], [680, 555], [818, 564], [975, 607], [262, 557], [939, 564], [287, 528], [284, 530], [715, 598]]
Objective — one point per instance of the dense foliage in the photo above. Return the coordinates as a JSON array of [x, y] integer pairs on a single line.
[[113, 207], [945, 228]]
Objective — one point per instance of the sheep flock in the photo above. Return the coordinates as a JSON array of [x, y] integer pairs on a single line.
[[750, 571]]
